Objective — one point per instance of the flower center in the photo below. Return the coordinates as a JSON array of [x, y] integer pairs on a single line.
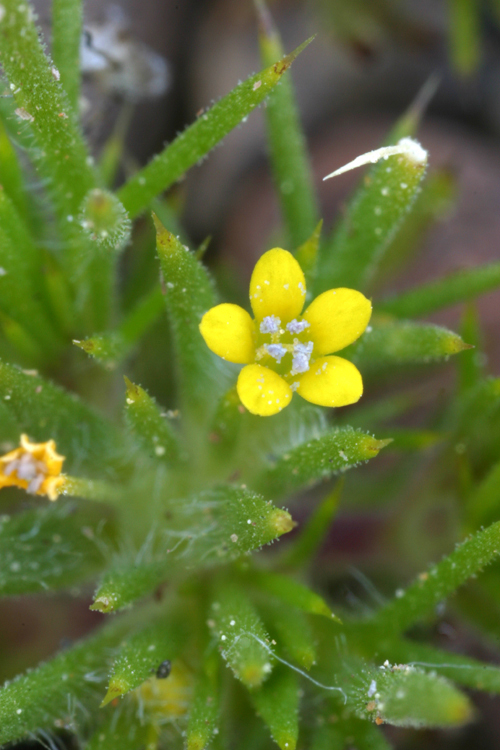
[[286, 346], [28, 469]]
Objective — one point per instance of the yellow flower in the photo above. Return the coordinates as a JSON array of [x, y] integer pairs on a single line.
[[285, 350], [34, 467]]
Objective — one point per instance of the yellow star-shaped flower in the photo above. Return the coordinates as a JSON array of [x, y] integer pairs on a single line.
[[34, 467], [285, 350]]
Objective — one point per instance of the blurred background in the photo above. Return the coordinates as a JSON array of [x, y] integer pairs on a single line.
[[151, 66]]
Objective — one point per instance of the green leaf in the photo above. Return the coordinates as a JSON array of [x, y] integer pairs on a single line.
[[399, 342], [277, 701], [43, 103], [468, 672], [142, 653], [211, 528], [319, 458], [12, 175], [51, 548], [240, 634], [66, 34], [471, 364], [306, 545], [287, 144], [408, 697], [195, 142], [226, 426], [75, 677], [204, 708], [43, 410], [293, 631], [189, 294], [442, 580], [465, 35], [153, 430], [349, 258], [460, 286], [20, 279], [433, 203], [291, 592]]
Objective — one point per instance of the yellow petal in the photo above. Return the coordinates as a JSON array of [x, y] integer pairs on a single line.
[[331, 381], [229, 331], [277, 286], [337, 318], [263, 391]]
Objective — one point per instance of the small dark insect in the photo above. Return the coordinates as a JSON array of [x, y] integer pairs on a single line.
[[164, 669]]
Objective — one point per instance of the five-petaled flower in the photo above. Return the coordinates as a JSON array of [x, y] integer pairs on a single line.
[[34, 467], [285, 350]]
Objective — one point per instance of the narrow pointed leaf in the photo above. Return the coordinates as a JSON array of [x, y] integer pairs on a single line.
[[195, 142], [204, 709], [292, 631], [52, 547], [66, 34], [240, 635], [212, 528], [459, 287], [318, 459], [277, 702], [350, 257], [289, 159], [408, 697], [140, 656], [20, 277], [153, 430], [45, 106], [471, 369], [12, 175], [470, 673], [291, 591], [189, 294], [440, 581], [388, 343], [435, 201], [75, 677]]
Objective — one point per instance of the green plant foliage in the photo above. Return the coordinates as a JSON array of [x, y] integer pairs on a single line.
[[407, 696], [393, 342], [292, 173], [201, 137], [304, 465], [51, 548], [277, 701], [172, 498], [350, 256], [460, 287]]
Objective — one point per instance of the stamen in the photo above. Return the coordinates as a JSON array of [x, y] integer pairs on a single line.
[[296, 326], [302, 355], [270, 324], [277, 351]]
